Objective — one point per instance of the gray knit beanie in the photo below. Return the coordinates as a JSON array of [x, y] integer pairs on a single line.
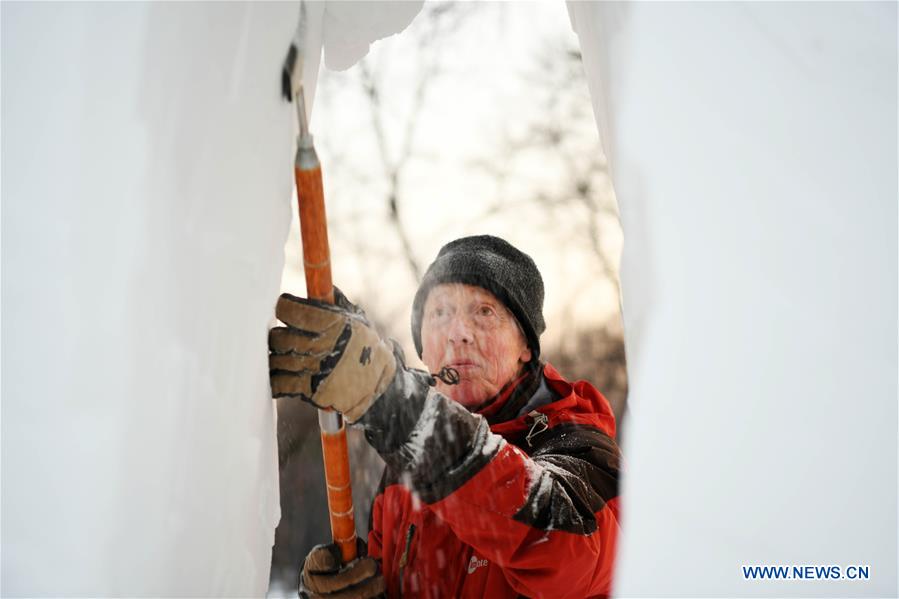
[[492, 264]]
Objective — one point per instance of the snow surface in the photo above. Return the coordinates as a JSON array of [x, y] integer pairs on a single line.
[[754, 154], [146, 163], [349, 27]]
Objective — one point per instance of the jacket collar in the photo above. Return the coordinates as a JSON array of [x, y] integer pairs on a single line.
[[561, 401], [508, 403]]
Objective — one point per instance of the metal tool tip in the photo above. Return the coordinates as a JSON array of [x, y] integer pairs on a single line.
[[287, 73]]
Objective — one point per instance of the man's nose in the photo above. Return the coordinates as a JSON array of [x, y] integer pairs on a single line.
[[459, 329]]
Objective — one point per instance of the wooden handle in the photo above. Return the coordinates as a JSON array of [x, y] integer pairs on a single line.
[[317, 266], [340, 492], [314, 234]]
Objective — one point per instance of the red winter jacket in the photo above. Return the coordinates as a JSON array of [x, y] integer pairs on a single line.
[[519, 500]]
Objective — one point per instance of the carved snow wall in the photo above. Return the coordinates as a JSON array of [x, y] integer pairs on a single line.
[[753, 148]]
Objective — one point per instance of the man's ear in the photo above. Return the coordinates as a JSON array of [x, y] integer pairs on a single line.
[[525, 355]]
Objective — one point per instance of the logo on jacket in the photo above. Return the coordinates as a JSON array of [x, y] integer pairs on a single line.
[[475, 563]]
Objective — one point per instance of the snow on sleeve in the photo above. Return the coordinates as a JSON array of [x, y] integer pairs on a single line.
[[544, 479], [483, 444], [413, 450]]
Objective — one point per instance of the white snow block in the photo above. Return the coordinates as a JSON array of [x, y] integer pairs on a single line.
[[349, 27], [754, 149], [146, 160]]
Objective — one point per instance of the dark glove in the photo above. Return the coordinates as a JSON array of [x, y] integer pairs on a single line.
[[324, 576], [328, 355]]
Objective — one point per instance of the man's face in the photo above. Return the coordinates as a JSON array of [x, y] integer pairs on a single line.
[[467, 328]]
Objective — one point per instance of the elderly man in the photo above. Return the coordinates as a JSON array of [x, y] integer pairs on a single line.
[[501, 477]]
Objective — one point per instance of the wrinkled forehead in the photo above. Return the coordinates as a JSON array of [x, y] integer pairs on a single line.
[[464, 296], [461, 294]]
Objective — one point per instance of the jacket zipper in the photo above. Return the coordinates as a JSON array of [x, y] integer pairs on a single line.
[[404, 559], [541, 423]]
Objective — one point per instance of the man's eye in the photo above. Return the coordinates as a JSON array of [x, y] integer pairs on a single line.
[[486, 311]]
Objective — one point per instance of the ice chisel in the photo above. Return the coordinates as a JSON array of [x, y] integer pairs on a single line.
[[317, 266]]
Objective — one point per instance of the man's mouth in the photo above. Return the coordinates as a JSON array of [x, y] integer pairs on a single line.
[[462, 364]]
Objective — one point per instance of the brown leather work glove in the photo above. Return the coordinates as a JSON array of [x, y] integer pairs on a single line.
[[324, 576], [328, 355]]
